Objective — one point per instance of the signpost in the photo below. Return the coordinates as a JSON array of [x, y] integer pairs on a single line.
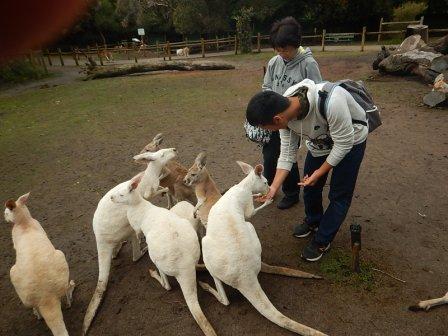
[[141, 33]]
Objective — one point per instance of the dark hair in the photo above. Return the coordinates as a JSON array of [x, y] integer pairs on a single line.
[[264, 106], [286, 32]]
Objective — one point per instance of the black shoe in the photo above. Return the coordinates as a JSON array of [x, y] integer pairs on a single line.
[[314, 251], [303, 230], [287, 202]]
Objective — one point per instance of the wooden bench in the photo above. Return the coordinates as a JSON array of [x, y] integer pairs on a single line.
[[342, 37]]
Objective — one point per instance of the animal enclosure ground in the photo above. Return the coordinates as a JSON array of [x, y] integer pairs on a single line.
[[71, 143]]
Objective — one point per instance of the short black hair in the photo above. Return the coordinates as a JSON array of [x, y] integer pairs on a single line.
[[286, 32], [264, 106]]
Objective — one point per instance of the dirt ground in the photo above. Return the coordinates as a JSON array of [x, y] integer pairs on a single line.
[[71, 143]]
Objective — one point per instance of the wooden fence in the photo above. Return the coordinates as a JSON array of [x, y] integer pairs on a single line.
[[391, 23], [166, 50]]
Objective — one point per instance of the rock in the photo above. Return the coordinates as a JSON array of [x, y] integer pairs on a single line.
[[405, 63], [410, 43], [381, 55], [434, 98], [440, 64], [441, 83], [441, 45]]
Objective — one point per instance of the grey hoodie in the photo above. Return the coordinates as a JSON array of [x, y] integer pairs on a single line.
[[334, 137], [280, 75]]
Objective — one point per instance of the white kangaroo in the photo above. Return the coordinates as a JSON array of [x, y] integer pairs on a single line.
[[172, 176], [232, 252], [208, 194], [111, 226], [40, 275], [173, 245], [428, 304]]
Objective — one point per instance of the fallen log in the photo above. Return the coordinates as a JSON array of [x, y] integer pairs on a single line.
[[127, 69]]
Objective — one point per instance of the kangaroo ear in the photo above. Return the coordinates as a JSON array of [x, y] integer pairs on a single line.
[[259, 169], [135, 181], [246, 168], [158, 139], [201, 159], [145, 157], [23, 199], [10, 204]]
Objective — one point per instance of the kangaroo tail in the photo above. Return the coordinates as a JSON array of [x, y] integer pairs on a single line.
[[52, 314], [105, 252], [189, 290], [256, 296]]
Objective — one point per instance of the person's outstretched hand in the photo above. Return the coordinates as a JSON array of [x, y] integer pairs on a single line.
[[268, 197]]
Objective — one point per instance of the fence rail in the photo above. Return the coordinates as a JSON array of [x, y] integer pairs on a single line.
[[165, 50]]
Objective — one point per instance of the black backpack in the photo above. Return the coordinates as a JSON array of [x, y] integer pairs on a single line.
[[361, 96]]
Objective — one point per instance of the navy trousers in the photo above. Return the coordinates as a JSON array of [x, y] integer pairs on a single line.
[[342, 186], [271, 152]]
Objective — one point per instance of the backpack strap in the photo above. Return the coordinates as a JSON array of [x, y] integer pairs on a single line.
[[324, 93]]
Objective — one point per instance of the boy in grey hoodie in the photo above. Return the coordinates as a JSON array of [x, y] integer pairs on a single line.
[[292, 64], [336, 142]]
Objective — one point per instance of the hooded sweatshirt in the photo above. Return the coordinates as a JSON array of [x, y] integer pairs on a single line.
[[334, 137], [281, 75]]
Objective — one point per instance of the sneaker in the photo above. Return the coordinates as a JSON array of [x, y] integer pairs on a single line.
[[287, 202], [314, 251], [303, 230]]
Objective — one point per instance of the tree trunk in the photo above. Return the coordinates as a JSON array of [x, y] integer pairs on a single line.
[[127, 69]]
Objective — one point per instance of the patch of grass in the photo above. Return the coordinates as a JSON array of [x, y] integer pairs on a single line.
[[337, 267], [19, 71]]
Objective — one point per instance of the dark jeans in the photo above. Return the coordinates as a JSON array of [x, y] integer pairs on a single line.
[[342, 185], [271, 152]]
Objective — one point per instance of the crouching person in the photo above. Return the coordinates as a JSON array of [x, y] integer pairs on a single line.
[[335, 134]]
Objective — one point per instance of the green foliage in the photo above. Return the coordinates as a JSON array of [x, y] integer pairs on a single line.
[[243, 20], [120, 17], [409, 11], [337, 266], [19, 71], [437, 13], [189, 15]]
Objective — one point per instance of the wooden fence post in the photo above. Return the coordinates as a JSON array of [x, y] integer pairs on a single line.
[[39, 59], [323, 39], [236, 45], [60, 57], [186, 42], [363, 37], [315, 34], [100, 57], [49, 58], [259, 42], [168, 49], [217, 43], [42, 61], [380, 29], [202, 47], [421, 19], [75, 57]]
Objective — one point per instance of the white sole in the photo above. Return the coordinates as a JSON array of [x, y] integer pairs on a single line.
[[317, 258], [302, 236]]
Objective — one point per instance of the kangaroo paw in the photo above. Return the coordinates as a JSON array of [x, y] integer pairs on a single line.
[[69, 293], [37, 314]]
